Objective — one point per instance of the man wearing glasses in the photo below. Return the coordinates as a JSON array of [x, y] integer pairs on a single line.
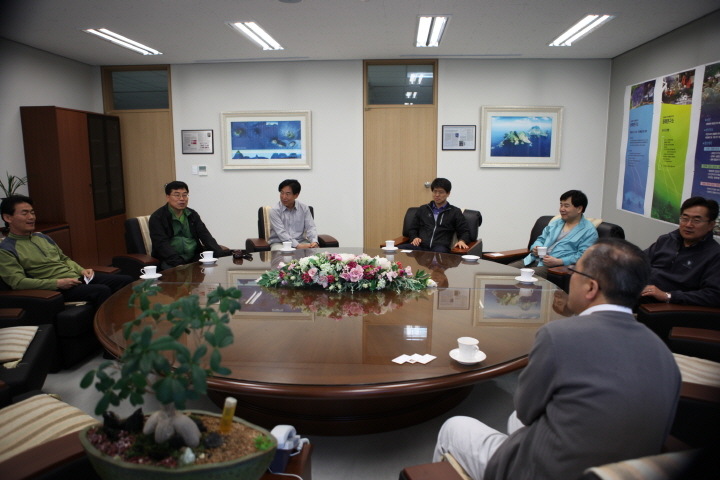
[[686, 262], [177, 233], [582, 400]]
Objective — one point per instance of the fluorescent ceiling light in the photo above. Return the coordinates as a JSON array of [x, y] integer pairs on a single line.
[[254, 32], [580, 29], [430, 30], [117, 39]]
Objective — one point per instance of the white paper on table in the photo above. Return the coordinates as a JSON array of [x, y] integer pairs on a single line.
[[401, 359], [426, 358], [405, 251]]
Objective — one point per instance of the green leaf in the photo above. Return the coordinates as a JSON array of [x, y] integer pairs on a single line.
[[199, 353], [102, 405], [199, 379], [87, 379], [163, 390], [215, 359]]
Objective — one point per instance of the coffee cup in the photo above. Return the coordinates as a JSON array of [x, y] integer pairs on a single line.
[[287, 245], [526, 274], [467, 349], [149, 271], [542, 251], [207, 256], [207, 270], [389, 243]]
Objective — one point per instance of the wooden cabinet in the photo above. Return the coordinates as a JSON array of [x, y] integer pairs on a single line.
[[74, 169]]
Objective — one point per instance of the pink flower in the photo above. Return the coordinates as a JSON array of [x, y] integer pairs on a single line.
[[408, 271]]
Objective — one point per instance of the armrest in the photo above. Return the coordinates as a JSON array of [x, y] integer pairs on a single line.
[[700, 393], [328, 241], [474, 248], [11, 317], [256, 245], [695, 334], [102, 269], [561, 270], [41, 306], [506, 256], [675, 308]]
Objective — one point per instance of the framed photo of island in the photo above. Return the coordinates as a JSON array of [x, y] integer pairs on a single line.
[[520, 137], [503, 302], [266, 140]]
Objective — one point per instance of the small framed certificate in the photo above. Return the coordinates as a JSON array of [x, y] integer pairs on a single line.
[[458, 137], [197, 142]]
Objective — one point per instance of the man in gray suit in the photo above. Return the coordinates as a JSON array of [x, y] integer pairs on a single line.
[[598, 388]]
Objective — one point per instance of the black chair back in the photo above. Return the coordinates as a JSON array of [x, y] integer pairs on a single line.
[[133, 237]]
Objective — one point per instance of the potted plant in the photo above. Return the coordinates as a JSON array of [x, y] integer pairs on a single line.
[[164, 365], [10, 186]]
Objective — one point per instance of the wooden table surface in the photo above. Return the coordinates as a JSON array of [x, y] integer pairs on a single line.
[[292, 363]]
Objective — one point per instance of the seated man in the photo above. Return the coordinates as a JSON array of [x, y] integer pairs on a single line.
[[34, 261], [566, 238], [435, 224], [177, 233], [598, 388], [291, 220], [686, 262]]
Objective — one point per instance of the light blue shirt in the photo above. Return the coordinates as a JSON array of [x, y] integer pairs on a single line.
[[570, 248], [296, 225]]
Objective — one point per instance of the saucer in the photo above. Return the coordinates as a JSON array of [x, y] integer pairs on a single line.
[[389, 249], [208, 262], [532, 280], [148, 277], [479, 357], [471, 258], [288, 251]]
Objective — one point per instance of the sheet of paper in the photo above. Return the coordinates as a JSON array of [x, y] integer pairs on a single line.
[[401, 359]]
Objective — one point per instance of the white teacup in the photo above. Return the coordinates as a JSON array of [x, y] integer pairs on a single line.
[[526, 274], [526, 292], [207, 270], [467, 349], [287, 245], [389, 243], [207, 256], [542, 251], [149, 271]]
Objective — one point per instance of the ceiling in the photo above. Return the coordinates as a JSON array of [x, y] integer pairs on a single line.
[[195, 31]]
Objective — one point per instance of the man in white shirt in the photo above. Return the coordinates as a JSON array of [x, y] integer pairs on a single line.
[[291, 220], [598, 388]]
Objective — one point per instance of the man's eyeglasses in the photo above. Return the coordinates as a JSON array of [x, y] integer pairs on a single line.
[[179, 196], [694, 221], [583, 274]]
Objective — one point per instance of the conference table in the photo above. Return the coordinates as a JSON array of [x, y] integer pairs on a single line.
[[323, 362]]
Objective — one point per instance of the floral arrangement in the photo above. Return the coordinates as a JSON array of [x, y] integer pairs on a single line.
[[341, 272], [337, 306]]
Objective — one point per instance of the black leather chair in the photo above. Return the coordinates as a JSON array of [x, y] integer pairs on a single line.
[[560, 276], [30, 373], [260, 244], [139, 247], [473, 219]]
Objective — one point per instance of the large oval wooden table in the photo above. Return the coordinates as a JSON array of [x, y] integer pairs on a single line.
[[323, 363]]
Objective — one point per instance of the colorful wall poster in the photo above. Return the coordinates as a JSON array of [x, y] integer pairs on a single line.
[[639, 132], [706, 182]]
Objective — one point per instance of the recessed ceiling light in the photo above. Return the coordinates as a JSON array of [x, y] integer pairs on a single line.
[[125, 42], [430, 30], [254, 32], [580, 29], [291, 1]]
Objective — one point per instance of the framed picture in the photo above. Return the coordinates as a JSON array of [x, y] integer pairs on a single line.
[[527, 137], [503, 302], [458, 137], [272, 139], [257, 304], [454, 299], [197, 142]]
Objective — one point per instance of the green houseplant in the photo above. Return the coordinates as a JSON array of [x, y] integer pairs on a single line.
[[10, 186], [163, 365]]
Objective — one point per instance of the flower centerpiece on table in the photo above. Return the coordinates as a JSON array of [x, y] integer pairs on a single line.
[[342, 272], [338, 305]]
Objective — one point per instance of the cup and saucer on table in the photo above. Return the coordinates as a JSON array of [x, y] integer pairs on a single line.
[[389, 246], [467, 352], [207, 257], [470, 258], [526, 276], [149, 272], [287, 247]]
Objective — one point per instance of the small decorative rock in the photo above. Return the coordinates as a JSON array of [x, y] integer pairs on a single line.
[[187, 458], [213, 440]]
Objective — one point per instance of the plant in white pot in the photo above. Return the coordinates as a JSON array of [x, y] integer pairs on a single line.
[[164, 365]]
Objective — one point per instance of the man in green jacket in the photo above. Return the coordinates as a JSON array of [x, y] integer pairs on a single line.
[[31, 260]]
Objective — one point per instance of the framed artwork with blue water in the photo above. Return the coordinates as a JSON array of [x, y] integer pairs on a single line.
[[521, 137], [266, 139]]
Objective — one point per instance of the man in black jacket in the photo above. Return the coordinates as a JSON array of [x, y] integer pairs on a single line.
[[686, 262], [177, 233], [435, 224]]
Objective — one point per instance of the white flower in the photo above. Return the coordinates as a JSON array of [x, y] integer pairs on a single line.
[[431, 283], [383, 262]]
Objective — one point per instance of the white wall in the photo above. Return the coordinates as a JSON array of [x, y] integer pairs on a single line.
[[228, 199], [511, 199], [694, 44], [32, 77]]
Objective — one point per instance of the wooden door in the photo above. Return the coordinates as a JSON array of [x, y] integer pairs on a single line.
[[400, 150]]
